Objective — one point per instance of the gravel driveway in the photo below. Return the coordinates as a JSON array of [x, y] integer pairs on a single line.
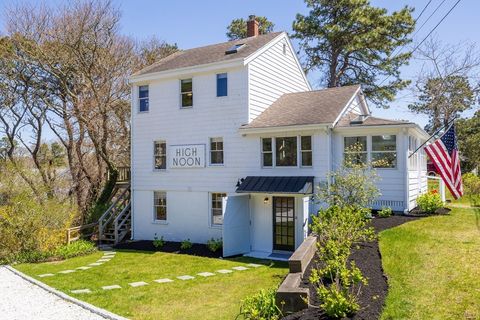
[[20, 299]]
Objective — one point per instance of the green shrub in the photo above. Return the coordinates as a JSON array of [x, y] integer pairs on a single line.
[[158, 243], [429, 202], [385, 212], [471, 184], [74, 249], [338, 283], [260, 306], [186, 244], [214, 245]]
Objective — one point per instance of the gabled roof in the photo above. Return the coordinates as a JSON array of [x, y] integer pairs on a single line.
[[305, 108], [209, 54]]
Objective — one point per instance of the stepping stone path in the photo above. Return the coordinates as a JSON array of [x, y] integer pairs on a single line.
[[66, 271], [254, 265], [240, 268], [206, 274], [166, 280], [107, 256], [46, 275], [224, 271], [115, 286], [81, 291], [84, 268], [186, 277], [138, 284]]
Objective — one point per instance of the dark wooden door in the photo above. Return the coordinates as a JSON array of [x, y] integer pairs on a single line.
[[284, 223]]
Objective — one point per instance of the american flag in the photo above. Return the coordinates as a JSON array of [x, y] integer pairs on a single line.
[[444, 155]]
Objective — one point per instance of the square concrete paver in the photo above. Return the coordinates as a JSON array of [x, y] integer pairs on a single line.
[[206, 274], [81, 291], [186, 277], [103, 260], [46, 275], [84, 268], [66, 271], [224, 271], [138, 284], [254, 265], [165, 280], [115, 286], [239, 268], [96, 264], [109, 252]]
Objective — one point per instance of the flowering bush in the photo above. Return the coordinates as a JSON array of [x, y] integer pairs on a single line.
[[429, 202]]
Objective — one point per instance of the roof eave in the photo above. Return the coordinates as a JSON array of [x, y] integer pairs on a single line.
[[239, 62], [259, 130]]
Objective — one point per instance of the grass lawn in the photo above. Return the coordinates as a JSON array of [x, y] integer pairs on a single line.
[[214, 297], [433, 267]]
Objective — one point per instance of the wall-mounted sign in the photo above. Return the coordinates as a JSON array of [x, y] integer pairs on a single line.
[[186, 156]]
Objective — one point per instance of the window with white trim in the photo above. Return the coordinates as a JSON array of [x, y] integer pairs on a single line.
[[384, 151], [216, 151], [267, 152], [160, 205], [160, 155], [143, 104], [217, 208], [306, 151], [355, 150], [186, 93]]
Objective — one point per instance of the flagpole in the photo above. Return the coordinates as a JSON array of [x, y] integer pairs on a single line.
[[433, 135]]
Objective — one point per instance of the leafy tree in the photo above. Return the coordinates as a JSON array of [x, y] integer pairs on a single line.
[[353, 42], [152, 50], [238, 27], [468, 131], [443, 99]]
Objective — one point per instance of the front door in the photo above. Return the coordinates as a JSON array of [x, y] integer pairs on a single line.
[[284, 223]]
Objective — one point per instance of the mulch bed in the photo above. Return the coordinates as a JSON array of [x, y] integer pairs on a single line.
[[197, 249], [369, 260]]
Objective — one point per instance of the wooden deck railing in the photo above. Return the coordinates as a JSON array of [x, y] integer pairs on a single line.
[[75, 233], [123, 174]]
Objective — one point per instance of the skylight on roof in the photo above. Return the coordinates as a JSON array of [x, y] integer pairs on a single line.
[[235, 48]]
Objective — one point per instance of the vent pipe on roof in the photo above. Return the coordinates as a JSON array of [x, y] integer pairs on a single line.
[[252, 26]]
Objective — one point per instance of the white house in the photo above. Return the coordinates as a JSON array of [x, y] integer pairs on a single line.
[[230, 141]]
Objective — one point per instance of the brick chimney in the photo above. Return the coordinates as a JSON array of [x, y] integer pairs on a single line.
[[252, 26]]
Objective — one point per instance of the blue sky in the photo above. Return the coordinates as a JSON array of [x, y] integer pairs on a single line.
[[192, 23]]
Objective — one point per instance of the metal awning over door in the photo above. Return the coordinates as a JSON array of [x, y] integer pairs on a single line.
[[276, 184]]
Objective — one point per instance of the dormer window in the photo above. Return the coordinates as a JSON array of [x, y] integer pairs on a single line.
[[235, 48], [186, 89]]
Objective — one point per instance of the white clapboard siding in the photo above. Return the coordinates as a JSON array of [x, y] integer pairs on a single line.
[[272, 74]]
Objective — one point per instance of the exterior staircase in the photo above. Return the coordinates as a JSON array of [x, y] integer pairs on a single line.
[[115, 224]]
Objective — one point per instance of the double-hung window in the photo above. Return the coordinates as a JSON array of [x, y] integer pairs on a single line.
[[217, 208], [160, 205], [186, 92], [384, 151], [143, 98], [216, 150], [160, 155], [306, 150], [222, 85], [286, 152], [355, 150], [267, 152]]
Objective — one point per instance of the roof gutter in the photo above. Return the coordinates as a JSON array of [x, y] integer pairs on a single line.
[[320, 126], [186, 70]]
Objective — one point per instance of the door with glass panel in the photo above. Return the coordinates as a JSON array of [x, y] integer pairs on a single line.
[[284, 223]]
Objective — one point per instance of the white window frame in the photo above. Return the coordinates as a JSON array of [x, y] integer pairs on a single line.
[[367, 146], [155, 205], [210, 206], [395, 151], [144, 98], [186, 92], [306, 150], [155, 155], [272, 143], [274, 151], [210, 140]]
